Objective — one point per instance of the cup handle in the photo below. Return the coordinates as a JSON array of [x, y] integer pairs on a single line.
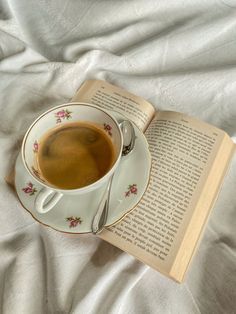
[[40, 199]]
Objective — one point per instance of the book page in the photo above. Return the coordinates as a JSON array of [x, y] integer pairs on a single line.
[[111, 97], [183, 152]]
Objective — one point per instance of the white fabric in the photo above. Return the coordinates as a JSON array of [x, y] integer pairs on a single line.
[[179, 55]]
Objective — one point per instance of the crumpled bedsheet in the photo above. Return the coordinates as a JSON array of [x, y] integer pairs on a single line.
[[179, 55]]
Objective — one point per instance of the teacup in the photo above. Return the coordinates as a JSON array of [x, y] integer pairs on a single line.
[[49, 195]]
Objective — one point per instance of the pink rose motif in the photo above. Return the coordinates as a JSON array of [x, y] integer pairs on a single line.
[[36, 147], [107, 128], [74, 221], [29, 189], [63, 114], [132, 189]]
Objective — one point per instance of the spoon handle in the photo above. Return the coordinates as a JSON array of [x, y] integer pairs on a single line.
[[100, 218]]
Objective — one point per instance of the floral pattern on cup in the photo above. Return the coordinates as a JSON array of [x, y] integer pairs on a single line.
[[36, 173], [73, 221], [29, 189], [36, 147], [132, 189], [62, 115], [107, 128]]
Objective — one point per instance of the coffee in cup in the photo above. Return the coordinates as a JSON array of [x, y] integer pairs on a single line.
[[71, 149], [75, 155]]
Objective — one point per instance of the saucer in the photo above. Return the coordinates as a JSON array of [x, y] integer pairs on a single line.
[[74, 213]]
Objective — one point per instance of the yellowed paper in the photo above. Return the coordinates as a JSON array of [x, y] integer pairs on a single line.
[[183, 151], [111, 97]]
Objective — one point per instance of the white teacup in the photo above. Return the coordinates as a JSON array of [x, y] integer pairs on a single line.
[[48, 196]]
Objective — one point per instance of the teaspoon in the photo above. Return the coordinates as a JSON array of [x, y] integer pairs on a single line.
[[100, 217]]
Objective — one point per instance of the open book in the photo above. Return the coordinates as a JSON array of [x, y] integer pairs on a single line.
[[189, 161]]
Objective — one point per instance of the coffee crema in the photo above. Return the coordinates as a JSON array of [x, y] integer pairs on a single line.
[[75, 155]]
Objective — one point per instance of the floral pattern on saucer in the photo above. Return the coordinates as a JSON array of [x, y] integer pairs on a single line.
[[29, 189], [132, 189], [73, 221]]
